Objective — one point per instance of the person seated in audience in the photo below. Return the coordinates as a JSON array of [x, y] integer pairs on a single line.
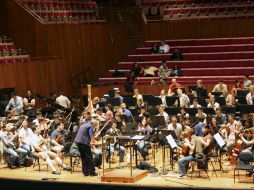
[[136, 70], [117, 74], [183, 99], [113, 143], [25, 136], [250, 96], [137, 95], [164, 48], [177, 55], [237, 86], [228, 97], [220, 87], [41, 150], [57, 139], [149, 71], [201, 114], [200, 90], [176, 72], [212, 103], [117, 95], [154, 49], [247, 82], [221, 118], [172, 87], [163, 72], [163, 113], [195, 104], [175, 126], [17, 154]]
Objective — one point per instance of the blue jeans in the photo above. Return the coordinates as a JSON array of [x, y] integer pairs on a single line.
[[97, 153], [27, 148], [17, 156], [120, 149]]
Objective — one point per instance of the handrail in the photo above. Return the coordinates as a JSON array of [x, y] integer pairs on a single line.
[[38, 18]]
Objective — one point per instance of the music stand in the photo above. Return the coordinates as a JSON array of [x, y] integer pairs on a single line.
[[242, 92], [155, 101], [222, 144], [192, 88], [146, 97], [245, 108], [128, 88], [216, 93], [172, 111], [170, 100], [130, 127], [226, 109], [134, 111], [220, 100], [130, 101], [209, 111], [113, 101], [160, 120], [241, 99], [191, 111]]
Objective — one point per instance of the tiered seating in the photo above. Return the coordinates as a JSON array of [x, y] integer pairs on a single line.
[[173, 10], [56, 11], [8, 53], [209, 59]]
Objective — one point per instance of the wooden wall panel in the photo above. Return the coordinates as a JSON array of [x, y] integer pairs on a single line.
[[201, 29], [77, 46]]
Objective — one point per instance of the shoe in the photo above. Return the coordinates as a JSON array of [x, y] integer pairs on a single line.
[[67, 169], [182, 176], [94, 174], [55, 172]]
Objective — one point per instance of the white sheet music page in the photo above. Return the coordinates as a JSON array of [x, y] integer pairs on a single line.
[[219, 139], [171, 141]]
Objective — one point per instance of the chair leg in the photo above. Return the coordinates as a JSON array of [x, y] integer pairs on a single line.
[[39, 166], [71, 164], [234, 175]]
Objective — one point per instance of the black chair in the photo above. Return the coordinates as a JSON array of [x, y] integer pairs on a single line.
[[202, 165], [246, 158]]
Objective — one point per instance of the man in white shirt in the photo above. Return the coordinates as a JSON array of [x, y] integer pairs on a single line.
[[63, 101], [177, 127], [163, 113], [25, 136], [195, 104], [15, 105], [183, 99], [220, 87], [137, 95], [164, 48], [250, 96], [212, 103]]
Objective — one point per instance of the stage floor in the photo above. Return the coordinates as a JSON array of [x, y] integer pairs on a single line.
[[223, 180]]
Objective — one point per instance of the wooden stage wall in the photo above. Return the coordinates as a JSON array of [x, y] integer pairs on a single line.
[[143, 89], [199, 29], [77, 46]]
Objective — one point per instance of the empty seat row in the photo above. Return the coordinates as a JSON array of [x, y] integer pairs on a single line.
[[15, 59], [44, 14], [6, 46]]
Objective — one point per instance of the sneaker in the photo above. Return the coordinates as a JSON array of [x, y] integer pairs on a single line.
[[55, 172], [182, 176], [67, 169]]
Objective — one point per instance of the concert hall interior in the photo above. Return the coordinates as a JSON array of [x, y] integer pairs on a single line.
[[126, 94]]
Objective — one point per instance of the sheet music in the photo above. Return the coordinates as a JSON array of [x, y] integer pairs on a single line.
[[171, 141], [138, 137], [219, 140]]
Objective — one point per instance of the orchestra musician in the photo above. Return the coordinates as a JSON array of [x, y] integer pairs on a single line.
[[163, 113], [18, 154], [83, 141], [41, 150], [25, 136], [15, 105], [120, 124], [57, 139], [220, 117], [29, 104], [201, 114], [113, 143], [212, 103], [177, 127]]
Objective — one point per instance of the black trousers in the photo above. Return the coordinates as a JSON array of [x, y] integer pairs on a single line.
[[87, 159]]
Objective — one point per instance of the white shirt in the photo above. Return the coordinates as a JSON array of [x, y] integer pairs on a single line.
[[63, 101], [165, 48], [165, 115], [178, 129], [150, 71], [26, 135], [250, 98], [184, 100], [197, 106], [138, 97], [16, 104], [215, 105], [232, 127], [35, 139]]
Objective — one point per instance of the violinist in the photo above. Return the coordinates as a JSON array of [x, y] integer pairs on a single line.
[[25, 136], [57, 139], [177, 127], [145, 129], [114, 144], [120, 124], [109, 112], [201, 114], [220, 117]]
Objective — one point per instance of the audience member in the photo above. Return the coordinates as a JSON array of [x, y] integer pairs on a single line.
[[176, 55], [154, 49], [247, 82], [172, 87], [149, 71], [176, 71], [164, 48], [163, 72]]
